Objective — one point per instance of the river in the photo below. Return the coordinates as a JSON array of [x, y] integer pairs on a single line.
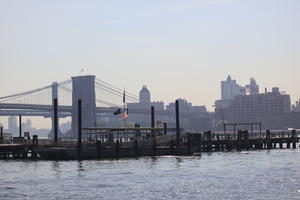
[[262, 174]]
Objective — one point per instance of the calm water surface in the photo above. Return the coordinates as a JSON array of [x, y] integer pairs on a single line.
[[235, 175]]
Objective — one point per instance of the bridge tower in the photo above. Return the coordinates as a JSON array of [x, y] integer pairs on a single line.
[[83, 87], [54, 88]]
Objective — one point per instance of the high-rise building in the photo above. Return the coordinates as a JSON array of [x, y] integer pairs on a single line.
[[145, 96], [252, 88], [296, 106], [26, 126], [250, 108], [12, 125], [230, 89]]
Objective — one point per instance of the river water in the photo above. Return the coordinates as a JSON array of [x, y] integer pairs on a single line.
[[264, 174]]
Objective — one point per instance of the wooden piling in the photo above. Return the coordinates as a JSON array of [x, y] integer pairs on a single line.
[[152, 117], [55, 119], [188, 144], [200, 143], [268, 139], [117, 149], [177, 124], [171, 147], [1, 134], [165, 128], [293, 139], [135, 148], [280, 144], [98, 148], [79, 126], [20, 126], [154, 146]]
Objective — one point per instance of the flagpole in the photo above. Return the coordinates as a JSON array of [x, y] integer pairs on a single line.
[[124, 108]]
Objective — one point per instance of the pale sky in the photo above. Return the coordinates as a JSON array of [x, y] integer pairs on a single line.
[[178, 48]]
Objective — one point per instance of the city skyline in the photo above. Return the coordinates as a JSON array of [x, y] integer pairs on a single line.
[[178, 49], [230, 84]]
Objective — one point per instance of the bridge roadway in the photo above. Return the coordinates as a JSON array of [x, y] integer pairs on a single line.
[[11, 109]]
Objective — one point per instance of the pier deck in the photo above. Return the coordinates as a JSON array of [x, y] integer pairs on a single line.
[[118, 146]]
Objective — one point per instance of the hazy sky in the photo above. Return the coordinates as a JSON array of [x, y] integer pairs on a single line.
[[178, 48]]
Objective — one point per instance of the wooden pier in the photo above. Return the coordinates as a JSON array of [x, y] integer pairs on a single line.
[[135, 143]]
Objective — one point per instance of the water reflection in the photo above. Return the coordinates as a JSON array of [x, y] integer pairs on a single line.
[[56, 168], [80, 166], [151, 162]]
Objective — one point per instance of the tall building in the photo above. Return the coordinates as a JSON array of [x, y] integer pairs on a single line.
[[158, 105], [184, 106], [251, 108], [12, 125], [230, 89], [145, 96], [27, 126], [296, 106], [252, 88]]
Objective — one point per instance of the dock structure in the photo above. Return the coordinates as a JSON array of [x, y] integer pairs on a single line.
[[101, 143]]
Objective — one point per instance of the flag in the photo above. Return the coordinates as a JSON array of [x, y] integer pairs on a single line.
[[124, 115], [117, 112], [124, 96]]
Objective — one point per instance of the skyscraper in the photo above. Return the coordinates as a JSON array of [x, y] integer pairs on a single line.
[[252, 88], [12, 125], [230, 89], [145, 96]]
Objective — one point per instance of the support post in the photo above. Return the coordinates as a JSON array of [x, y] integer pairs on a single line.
[[98, 148], [152, 120], [117, 149], [294, 139], [1, 136], [135, 148], [154, 146], [20, 126], [79, 125], [177, 124], [152, 117], [268, 139], [165, 128], [55, 119], [189, 144], [171, 147]]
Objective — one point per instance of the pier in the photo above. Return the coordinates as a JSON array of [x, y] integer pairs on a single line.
[[101, 143]]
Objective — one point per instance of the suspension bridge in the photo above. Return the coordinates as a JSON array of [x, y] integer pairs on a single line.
[[98, 97]]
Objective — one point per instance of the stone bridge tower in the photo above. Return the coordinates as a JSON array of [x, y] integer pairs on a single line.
[[83, 87]]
